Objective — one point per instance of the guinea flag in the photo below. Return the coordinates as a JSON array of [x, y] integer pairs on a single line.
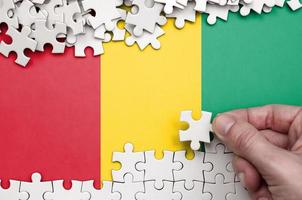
[[64, 116]]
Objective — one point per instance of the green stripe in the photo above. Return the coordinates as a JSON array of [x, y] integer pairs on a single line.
[[251, 61]]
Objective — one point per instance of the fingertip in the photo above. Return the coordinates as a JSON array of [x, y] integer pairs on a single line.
[[222, 124]]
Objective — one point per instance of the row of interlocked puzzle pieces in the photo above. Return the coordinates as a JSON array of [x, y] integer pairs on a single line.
[[90, 23], [207, 176]]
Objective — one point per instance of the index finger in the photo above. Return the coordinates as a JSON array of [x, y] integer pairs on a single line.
[[275, 117]]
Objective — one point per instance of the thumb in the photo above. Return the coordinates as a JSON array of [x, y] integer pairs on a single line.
[[246, 141]]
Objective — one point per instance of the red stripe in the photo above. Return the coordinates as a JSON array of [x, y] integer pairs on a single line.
[[50, 118]]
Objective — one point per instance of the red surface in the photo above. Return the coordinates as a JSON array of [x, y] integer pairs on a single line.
[[50, 118]]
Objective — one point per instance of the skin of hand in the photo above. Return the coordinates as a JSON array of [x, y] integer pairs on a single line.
[[267, 142]]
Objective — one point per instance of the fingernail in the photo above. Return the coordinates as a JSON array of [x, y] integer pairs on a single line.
[[263, 198], [241, 179], [223, 124]]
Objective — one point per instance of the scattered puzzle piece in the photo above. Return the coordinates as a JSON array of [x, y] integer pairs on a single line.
[[20, 42], [44, 35], [146, 39]]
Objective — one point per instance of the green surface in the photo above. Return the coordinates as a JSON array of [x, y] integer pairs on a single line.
[[252, 61]]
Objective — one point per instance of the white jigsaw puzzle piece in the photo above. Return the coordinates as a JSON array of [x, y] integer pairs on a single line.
[[169, 5], [198, 131], [36, 188], [221, 164], [60, 193], [105, 12], [86, 40], [105, 193], [159, 170], [216, 11], [128, 160], [118, 33], [240, 193], [70, 10], [256, 5], [20, 42], [211, 147], [294, 4], [27, 14], [195, 193], [146, 39], [183, 15], [145, 17], [13, 192], [6, 7], [192, 170], [151, 193], [129, 188], [44, 35], [219, 190], [52, 11]]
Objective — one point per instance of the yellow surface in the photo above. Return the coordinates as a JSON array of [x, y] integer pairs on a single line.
[[142, 93]]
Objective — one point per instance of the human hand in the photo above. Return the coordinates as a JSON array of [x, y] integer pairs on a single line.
[[267, 142]]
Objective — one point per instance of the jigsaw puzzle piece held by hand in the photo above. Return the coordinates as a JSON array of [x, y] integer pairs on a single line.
[[198, 131], [20, 42], [151, 193]]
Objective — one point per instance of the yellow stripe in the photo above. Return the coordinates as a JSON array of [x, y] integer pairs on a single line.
[[142, 93]]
